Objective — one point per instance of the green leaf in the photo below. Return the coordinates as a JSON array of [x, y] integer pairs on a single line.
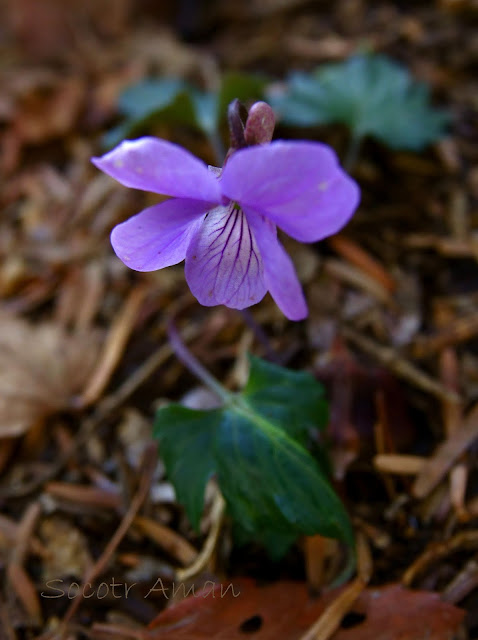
[[293, 399], [370, 94], [144, 98], [186, 447], [277, 544], [243, 86], [174, 101], [271, 483], [205, 106], [151, 101]]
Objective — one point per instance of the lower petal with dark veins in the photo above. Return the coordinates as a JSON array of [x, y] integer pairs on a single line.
[[223, 263]]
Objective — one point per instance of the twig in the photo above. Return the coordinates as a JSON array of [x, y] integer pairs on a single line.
[[85, 495], [446, 454], [110, 631], [174, 544], [462, 584], [356, 277], [460, 330], [357, 256], [18, 578], [401, 367], [217, 516], [113, 349], [148, 466], [398, 463], [6, 622], [330, 620], [438, 550]]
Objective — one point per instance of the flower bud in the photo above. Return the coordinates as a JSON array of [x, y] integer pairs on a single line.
[[259, 124]]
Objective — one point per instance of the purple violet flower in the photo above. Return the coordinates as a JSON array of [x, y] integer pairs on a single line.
[[224, 222]]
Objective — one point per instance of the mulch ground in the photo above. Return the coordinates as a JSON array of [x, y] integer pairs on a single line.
[[84, 356]]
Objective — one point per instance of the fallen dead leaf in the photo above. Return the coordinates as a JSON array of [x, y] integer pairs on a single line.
[[285, 610], [396, 613], [67, 549], [41, 369], [49, 112]]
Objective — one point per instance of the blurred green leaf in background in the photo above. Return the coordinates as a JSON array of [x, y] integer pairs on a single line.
[[370, 94], [175, 101]]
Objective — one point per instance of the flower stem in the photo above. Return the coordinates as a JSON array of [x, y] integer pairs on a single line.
[[261, 336], [195, 367], [352, 154], [217, 146]]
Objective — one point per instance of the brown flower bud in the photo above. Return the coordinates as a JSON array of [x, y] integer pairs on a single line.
[[259, 124]]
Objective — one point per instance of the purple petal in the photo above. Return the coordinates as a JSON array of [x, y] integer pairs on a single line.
[[158, 236], [279, 273], [223, 264], [298, 185], [160, 166]]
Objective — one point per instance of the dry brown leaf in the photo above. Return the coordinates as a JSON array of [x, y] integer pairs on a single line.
[[395, 613], [285, 610], [67, 549], [53, 28], [41, 369], [41, 117]]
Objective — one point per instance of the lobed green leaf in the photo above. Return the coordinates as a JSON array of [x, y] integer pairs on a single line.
[[370, 94], [255, 445], [173, 100]]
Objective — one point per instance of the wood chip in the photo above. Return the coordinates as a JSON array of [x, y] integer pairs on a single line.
[[173, 543], [399, 464], [445, 455], [400, 366]]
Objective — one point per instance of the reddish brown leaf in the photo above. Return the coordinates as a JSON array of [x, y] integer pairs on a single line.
[[396, 613], [285, 610]]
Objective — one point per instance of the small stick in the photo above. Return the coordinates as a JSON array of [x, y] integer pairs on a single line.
[[330, 620], [401, 367], [109, 631], [217, 516], [317, 550], [355, 254], [148, 466], [383, 440], [17, 576], [113, 348], [355, 277], [465, 540], [460, 330], [462, 584], [176, 546], [449, 374], [446, 454], [458, 483], [24, 589], [85, 495], [399, 464]]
